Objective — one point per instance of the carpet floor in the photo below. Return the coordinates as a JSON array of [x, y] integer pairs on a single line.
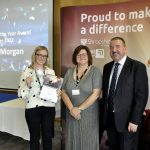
[[10, 142]]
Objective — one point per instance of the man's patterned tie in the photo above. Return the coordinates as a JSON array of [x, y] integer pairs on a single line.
[[112, 88]]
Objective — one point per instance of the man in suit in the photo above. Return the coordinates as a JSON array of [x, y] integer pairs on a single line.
[[125, 97]]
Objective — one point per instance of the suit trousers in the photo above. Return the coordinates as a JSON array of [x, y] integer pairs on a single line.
[[40, 120], [120, 140]]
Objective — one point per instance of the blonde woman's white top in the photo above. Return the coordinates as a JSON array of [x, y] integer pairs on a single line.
[[31, 94]]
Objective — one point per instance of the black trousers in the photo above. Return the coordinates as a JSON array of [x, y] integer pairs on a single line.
[[40, 121], [120, 140]]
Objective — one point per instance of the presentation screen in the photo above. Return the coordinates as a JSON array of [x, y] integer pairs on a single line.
[[24, 24]]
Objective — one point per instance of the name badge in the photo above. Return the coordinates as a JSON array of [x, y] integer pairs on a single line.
[[76, 92]]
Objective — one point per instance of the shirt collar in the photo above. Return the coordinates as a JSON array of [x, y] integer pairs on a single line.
[[122, 61]]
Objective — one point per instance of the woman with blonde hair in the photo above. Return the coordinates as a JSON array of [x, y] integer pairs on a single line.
[[39, 113]]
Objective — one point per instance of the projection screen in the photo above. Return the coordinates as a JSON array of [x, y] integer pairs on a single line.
[[24, 24]]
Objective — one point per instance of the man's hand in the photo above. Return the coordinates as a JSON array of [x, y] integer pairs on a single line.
[[132, 127]]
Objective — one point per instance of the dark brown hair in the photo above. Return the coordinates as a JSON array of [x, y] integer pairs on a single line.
[[76, 52], [118, 38]]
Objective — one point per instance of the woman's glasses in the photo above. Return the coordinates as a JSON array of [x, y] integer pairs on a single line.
[[42, 56], [82, 55]]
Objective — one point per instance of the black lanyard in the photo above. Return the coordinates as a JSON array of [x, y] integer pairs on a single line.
[[77, 78], [37, 77]]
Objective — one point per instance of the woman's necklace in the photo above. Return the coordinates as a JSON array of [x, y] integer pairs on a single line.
[[77, 77]]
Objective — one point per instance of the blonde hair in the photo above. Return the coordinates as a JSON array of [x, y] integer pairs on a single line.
[[39, 48]]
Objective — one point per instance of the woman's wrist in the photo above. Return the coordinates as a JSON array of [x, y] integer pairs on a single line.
[[28, 85], [80, 109], [70, 109]]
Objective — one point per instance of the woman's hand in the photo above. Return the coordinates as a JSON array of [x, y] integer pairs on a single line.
[[29, 81], [59, 93], [76, 113]]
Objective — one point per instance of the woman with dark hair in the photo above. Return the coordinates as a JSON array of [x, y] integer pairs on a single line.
[[80, 91], [39, 113]]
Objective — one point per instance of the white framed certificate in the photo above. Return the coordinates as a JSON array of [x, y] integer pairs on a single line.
[[49, 93], [50, 87]]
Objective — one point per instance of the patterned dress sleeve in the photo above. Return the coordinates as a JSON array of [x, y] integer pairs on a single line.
[[97, 78], [65, 79]]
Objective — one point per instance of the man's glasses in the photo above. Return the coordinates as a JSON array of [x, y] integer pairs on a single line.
[[42, 56]]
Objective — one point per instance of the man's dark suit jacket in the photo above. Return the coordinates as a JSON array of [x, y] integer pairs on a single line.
[[131, 93]]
